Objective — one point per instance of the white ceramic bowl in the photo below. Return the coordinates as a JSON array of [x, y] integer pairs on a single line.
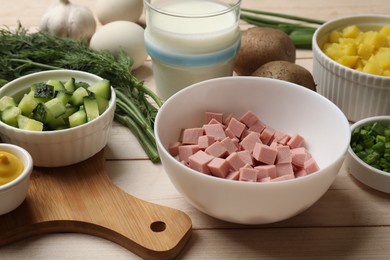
[[60, 147], [280, 104], [357, 94], [13, 193], [372, 177]]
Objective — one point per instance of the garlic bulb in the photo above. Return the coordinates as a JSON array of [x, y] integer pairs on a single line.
[[69, 20]]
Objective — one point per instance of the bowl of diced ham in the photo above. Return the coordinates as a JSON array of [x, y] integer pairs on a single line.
[[251, 150]]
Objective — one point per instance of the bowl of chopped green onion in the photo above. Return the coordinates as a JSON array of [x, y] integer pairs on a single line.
[[368, 158]]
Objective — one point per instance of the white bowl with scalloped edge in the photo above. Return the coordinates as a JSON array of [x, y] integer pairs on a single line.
[[59, 147], [359, 95]]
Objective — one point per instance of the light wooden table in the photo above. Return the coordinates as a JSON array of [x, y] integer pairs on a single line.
[[351, 221]]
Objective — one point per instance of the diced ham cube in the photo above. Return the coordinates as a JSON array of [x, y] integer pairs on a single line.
[[300, 173], [257, 127], [284, 169], [248, 174], [281, 137], [213, 121], [246, 157], [212, 115], [191, 135], [234, 175], [205, 141], [263, 153], [215, 130], [267, 135], [249, 119], [284, 177], [186, 151], [266, 179], [230, 146], [236, 142], [173, 148], [283, 155], [299, 156], [229, 133], [249, 142], [235, 161], [311, 166], [285, 140], [219, 167], [236, 127], [295, 141], [217, 149], [181, 135], [199, 161], [264, 171], [227, 119]]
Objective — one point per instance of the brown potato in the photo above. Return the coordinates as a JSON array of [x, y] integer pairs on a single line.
[[287, 71], [260, 45]]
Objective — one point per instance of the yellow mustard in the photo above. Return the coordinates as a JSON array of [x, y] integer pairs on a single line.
[[10, 167]]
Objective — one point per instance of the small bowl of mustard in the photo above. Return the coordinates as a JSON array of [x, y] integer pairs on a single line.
[[16, 166]]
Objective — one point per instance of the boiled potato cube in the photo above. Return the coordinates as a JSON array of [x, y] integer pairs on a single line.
[[383, 58], [351, 31], [349, 61], [365, 51]]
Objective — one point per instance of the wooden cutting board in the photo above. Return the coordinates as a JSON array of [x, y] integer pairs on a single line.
[[81, 198]]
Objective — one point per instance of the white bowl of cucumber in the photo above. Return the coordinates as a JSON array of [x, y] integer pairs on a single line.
[[61, 117]]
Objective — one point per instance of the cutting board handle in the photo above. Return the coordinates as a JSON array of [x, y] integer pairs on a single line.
[[81, 198]]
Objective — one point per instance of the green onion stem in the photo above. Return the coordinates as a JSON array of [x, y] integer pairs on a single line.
[[286, 16], [135, 114], [148, 145]]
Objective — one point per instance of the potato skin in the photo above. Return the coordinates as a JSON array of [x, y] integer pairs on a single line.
[[287, 71], [260, 45]]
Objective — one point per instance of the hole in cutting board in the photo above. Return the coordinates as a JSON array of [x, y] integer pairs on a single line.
[[158, 226]]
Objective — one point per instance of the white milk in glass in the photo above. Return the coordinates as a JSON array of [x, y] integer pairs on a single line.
[[190, 41]]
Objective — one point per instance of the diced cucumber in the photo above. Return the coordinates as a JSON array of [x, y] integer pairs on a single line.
[[53, 123], [39, 113], [27, 123], [77, 97], [10, 116], [91, 107], [70, 85], [55, 106], [69, 111], [64, 96], [27, 104], [58, 85], [42, 114], [82, 84], [43, 92], [78, 118], [102, 104], [101, 88], [6, 102]]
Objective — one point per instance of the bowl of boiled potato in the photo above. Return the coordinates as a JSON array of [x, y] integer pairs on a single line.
[[351, 64]]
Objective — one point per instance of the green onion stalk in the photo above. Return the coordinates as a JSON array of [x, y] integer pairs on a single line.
[[301, 35], [22, 53]]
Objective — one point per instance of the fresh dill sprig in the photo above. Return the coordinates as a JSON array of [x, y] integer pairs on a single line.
[[22, 53]]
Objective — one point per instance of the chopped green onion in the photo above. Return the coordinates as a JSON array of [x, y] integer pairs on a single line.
[[371, 143]]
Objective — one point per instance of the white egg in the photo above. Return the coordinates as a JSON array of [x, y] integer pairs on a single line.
[[121, 34], [118, 10]]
